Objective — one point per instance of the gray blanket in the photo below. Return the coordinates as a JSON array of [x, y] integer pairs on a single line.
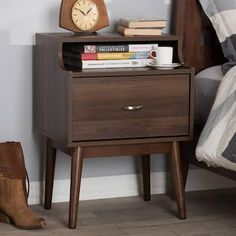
[[222, 14], [217, 142]]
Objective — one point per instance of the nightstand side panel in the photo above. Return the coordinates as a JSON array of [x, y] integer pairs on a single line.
[[51, 90]]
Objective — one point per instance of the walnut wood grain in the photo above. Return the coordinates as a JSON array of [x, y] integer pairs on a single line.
[[146, 177], [98, 107], [126, 149], [201, 48], [49, 176], [76, 172], [82, 113], [52, 84], [176, 172]]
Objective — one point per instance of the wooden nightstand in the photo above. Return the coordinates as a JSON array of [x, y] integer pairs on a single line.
[[110, 112]]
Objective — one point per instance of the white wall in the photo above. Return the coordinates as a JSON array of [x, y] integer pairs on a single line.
[[19, 21]]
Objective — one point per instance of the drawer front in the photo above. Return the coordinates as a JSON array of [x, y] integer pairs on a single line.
[[130, 107]]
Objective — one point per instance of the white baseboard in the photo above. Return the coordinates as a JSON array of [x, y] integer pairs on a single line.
[[127, 185]]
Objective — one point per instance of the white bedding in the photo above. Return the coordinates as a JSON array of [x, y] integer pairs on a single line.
[[217, 143]]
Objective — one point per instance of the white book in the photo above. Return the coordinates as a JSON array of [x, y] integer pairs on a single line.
[[142, 47], [96, 64], [119, 48]]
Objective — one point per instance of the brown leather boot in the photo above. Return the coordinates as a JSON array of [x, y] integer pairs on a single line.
[[13, 194]]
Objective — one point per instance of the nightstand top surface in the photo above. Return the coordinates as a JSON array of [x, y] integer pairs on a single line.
[[106, 37]]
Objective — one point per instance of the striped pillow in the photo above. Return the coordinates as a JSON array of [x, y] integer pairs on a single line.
[[222, 14]]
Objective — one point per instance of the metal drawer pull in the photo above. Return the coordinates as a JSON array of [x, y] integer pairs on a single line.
[[133, 107]]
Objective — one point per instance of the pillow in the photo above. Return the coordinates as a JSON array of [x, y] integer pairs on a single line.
[[222, 14]]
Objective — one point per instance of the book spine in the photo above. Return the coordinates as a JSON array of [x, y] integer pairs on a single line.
[[96, 64], [119, 48], [131, 31], [142, 47], [114, 55], [89, 56], [105, 48], [143, 23]]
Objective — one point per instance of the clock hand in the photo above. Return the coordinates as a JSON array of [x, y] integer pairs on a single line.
[[82, 12], [88, 11]]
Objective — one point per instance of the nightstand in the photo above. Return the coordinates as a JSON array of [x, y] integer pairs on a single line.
[[110, 112]]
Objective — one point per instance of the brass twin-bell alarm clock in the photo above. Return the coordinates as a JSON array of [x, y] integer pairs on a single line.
[[83, 15]]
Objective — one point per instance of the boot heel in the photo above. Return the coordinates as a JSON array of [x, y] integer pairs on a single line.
[[4, 218]]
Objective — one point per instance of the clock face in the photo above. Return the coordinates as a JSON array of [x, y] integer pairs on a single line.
[[85, 14]]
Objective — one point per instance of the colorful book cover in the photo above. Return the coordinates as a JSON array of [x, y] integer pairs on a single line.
[[114, 55]]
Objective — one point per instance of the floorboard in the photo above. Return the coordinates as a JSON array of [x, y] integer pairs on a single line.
[[209, 213]]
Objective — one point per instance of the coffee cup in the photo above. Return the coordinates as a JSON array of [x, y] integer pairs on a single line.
[[164, 56]]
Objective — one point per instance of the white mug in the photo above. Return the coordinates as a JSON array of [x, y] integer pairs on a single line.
[[164, 56]]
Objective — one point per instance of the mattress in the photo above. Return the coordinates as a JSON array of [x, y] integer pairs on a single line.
[[206, 86]]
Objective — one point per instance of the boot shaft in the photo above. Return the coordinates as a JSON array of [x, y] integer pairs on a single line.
[[13, 196], [12, 164]]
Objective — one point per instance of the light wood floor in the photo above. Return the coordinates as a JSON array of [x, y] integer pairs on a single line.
[[210, 213]]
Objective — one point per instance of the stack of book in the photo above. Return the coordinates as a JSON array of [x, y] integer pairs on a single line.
[[109, 56], [141, 27]]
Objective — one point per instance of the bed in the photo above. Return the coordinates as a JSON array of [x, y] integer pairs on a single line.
[[202, 50]]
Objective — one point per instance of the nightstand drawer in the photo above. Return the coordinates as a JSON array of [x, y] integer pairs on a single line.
[[130, 107]]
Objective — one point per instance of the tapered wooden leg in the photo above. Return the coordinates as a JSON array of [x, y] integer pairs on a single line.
[[185, 168], [185, 162], [49, 177], [172, 187], [76, 171], [178, 180], [146, 177]]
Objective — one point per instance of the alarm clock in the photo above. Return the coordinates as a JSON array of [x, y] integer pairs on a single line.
[[83, 15]]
